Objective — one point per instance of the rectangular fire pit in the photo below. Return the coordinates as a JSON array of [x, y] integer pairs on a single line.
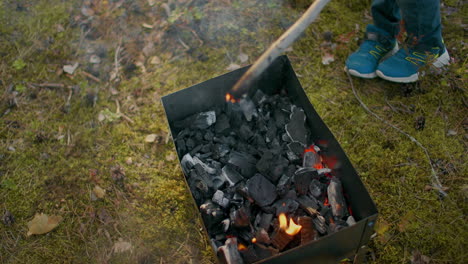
[[256, 174]]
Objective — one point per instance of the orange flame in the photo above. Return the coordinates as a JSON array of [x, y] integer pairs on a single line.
[[291, 229], [230, 98], [254, 240], [241, 247]]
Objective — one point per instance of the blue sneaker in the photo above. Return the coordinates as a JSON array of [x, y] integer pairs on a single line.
[[404, 66], [377, 46]]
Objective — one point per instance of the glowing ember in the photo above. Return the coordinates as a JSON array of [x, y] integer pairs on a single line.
[[230, 98], [310, 149], [319, 166], [241, 247], [254, 240], [291, 229]]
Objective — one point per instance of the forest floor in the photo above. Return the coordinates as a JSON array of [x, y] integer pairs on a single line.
[[90, 144]]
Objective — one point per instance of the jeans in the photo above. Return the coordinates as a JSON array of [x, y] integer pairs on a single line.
[[421, 19]]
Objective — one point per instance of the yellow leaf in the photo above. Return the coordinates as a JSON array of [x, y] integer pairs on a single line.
[[406, 221], [99, 192], [382, 227], [42, 224]]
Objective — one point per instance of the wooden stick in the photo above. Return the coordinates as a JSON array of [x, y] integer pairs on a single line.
[[92, 77], [242, 86]]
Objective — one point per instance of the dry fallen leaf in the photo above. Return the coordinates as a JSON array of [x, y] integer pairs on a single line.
[[42, 224], [148, 26], [171, 157], [155, 60], [233, 67], [418, 258], [99, 192], [70, 69], [327, 58], [151, 138], [122, 246], [129, 160], [243, 58]]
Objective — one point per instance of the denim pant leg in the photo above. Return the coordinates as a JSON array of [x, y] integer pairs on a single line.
[[386, 15], [422, 22]]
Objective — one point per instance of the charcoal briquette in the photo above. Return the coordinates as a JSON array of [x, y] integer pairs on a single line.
[[311, 159], [204, 166], [248, 109], [198, 121], [296, 129], [244, 162], [286, 206], [259, 97], [220, 199], [245, 133], [240, 217], [263, 220], [187, 163], [231, 175], [190, 143], [230, 253], [302, 179], [208, 135], [212, 214], [315, 188], [336, 198], [296, 147], [262, 191], [309, 205], [222, 124]]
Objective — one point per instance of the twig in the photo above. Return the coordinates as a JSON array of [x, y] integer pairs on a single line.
[[435, 179], [186, 47], [167, 9], [122, 114], [82, 37], [92, 77], [116, 61], [193, 32], [49, 85]]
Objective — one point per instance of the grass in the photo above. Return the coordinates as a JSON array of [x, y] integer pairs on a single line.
[[51, 156]]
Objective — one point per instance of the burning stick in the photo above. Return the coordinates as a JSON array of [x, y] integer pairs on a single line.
[[241, 88], [308, 232], [285, 233]]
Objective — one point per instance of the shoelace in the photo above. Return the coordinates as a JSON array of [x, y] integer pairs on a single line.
[[374, 48], [418, 58]]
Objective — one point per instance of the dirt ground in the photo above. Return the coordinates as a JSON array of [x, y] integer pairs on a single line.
[[83, 135]]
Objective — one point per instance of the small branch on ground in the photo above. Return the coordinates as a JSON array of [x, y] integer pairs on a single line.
[[122, 114], [90, 76], [50, 85], [435, 178]]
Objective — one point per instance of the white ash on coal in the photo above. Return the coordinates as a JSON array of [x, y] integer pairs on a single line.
[[248, 166]]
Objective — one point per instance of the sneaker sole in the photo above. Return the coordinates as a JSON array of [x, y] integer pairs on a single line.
[[409, 79], [372, 74], [442, 61], [360, 75]]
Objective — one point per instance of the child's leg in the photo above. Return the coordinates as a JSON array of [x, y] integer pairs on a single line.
[[423, 24], [386, 14]]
